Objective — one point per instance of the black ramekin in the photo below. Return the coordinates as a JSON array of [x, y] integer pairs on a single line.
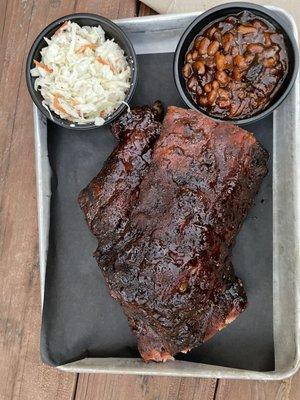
[[216, 13], [112, 31]]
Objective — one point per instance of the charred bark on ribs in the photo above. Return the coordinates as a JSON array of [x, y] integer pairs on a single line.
[[166, 208]]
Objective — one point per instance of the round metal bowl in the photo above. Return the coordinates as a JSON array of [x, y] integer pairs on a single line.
[[112, 31], [224, 10]]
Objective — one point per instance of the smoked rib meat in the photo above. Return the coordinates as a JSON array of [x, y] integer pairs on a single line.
[[166, 208]]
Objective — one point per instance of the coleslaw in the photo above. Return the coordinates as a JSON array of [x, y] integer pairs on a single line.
[[82, 76]]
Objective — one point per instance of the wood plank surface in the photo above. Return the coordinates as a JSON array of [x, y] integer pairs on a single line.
[[287, 389], [108, 8], [3, 10], [250, 390], [22, 375], [144, 10], [118, 387]]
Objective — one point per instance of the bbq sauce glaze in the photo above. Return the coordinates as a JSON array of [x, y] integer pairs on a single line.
[[235, 66]]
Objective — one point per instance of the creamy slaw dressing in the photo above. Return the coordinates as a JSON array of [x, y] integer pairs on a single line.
[[82, 76]]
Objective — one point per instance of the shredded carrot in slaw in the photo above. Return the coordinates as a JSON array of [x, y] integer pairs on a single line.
[[58, 106], [105, 62], [61, 28], [73, 102], [84, 47], [43, 66]]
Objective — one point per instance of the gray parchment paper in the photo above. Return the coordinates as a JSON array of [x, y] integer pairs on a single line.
[[80, 319]]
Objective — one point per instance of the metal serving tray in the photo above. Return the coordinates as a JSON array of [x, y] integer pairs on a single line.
[[161, 33]]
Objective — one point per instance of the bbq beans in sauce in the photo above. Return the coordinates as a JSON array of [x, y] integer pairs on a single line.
[[235, 66]]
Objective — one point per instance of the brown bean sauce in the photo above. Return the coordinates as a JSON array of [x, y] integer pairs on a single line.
[[235, 66]]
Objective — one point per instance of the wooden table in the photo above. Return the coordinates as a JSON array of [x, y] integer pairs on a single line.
[[22, 375]]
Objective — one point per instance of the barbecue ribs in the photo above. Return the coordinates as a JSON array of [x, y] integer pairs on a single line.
[[166, 208]]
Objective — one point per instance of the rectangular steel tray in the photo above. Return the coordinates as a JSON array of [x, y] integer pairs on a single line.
[[162, 34]]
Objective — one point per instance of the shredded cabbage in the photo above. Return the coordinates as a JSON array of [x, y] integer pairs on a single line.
[[82, 76]]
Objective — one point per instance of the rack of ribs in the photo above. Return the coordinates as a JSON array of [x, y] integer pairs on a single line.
[[166, 208]]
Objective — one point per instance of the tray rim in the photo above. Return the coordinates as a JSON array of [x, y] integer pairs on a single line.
[[176, 368]]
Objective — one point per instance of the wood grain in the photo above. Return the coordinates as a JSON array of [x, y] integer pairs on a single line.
[[288, 389], [3, 11], [294, 390], [109, 8], [144, 10], [118, 387]]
